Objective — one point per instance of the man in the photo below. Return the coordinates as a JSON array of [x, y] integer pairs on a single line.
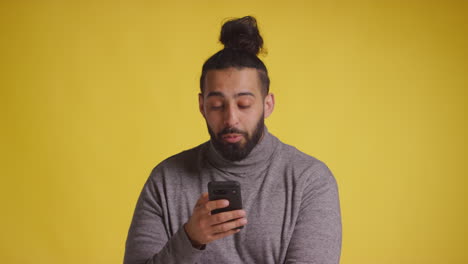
[[291, 210]]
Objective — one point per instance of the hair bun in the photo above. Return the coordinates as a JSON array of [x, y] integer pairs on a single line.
[[242, 34]]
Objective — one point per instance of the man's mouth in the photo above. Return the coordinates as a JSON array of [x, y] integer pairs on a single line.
[[232, 137]]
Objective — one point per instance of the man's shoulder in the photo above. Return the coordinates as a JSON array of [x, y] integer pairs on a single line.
[[296, 156], [179, 167], [189, 157], [302, 162]]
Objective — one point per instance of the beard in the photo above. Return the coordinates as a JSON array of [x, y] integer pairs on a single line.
[[237, 151]]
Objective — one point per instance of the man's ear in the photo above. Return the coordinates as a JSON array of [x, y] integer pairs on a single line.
[[201, 104], [268, 105]]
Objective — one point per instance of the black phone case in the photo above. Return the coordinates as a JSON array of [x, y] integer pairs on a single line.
[[229, 190]]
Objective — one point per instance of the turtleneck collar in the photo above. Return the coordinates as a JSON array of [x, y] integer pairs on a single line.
[[255, 161]]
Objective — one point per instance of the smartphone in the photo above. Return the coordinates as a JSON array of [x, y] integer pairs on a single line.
[[229, 190]]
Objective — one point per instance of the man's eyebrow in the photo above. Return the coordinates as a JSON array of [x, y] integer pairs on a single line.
[[245, 93], [220, 94], [214, 93]]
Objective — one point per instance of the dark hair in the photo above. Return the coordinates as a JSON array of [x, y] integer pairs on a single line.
[[242, 42]]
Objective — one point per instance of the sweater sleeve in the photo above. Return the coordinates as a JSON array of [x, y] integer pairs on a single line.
[[317, 234], [149, 240]]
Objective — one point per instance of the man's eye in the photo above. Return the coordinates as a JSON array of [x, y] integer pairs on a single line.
[[244, 106], [216, 107]]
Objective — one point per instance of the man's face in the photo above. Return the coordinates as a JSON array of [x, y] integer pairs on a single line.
[[234, 109]]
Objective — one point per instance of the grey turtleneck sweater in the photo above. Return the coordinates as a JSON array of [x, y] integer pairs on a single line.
[[291, 201]]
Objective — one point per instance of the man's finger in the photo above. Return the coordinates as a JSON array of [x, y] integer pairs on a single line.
[[226, 216], [202, 200], [217, 204], [227, 226]]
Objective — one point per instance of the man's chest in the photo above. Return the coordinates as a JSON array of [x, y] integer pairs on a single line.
[[272, 206]]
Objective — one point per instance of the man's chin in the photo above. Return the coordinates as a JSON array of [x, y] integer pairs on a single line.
[[232, 151], [236, 150]]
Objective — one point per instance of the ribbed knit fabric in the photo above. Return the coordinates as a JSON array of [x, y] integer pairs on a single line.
[[291, 201]]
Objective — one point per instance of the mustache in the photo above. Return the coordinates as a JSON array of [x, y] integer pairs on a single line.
[[231, 130]]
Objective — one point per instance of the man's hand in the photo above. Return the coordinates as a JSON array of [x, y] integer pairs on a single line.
[[203, 228]]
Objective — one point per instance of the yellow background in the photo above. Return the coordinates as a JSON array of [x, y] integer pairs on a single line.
[[95, 93]]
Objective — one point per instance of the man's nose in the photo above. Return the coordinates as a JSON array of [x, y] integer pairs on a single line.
[[231, 117]]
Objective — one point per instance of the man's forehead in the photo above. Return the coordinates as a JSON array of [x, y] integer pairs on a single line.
[[232, 82]]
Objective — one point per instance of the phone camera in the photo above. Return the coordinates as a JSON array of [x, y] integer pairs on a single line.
[[219, 192]]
